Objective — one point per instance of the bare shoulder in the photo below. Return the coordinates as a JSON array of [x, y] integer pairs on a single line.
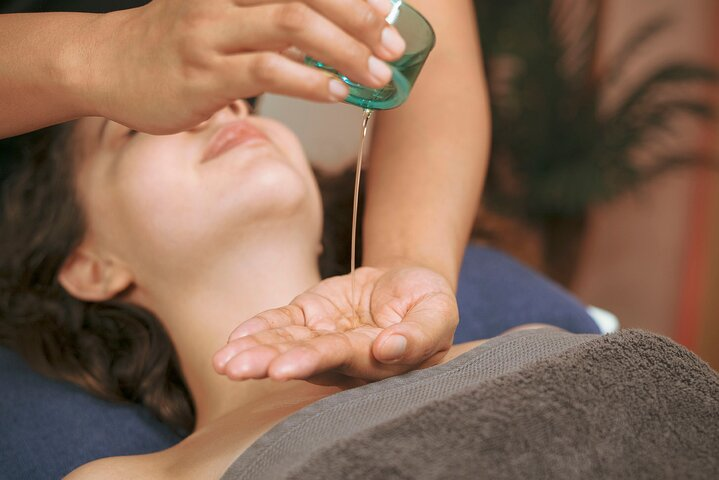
[[115, 468], [198, 456]]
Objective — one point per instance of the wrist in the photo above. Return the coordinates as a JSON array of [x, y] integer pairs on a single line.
[[71, 67], [85, 63], [389, 261]]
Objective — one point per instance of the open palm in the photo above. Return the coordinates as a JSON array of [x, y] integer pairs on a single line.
[[402, 318]]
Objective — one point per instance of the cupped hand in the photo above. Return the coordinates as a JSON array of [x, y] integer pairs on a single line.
[[169, 65], [403, 318]]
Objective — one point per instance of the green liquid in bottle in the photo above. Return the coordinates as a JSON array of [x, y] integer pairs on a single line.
[[404, 73]]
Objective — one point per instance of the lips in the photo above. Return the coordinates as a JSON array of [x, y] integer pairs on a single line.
[[231, 136]]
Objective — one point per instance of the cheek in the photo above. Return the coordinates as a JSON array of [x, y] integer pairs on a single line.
[[155, 203], [262, 189], [154, 208], [171, 209]]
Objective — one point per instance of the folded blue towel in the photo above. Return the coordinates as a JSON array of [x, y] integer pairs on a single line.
[[496, 293], [49, 428]]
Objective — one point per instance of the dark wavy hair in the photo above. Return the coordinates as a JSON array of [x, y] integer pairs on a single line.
[[116, 350]]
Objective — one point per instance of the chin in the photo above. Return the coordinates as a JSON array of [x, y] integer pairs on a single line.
[[277, 188], [272, 192]]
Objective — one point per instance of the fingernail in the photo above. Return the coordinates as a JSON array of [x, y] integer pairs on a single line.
[[338, 90], [382, 6], [394, 347], [379, 70], [393, 41]]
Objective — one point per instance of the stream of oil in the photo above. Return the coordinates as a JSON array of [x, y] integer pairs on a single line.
[[358, 172]]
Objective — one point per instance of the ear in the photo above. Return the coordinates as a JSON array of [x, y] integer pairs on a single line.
[[87, 276]]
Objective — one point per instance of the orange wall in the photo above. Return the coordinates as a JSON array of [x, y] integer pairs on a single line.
[[635, 260]]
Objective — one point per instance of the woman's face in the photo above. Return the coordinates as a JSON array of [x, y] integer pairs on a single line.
[[164, 203]]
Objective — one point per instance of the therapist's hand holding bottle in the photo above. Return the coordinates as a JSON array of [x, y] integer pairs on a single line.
[[169, 65]]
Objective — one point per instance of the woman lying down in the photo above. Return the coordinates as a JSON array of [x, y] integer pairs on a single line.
[[204, 236]]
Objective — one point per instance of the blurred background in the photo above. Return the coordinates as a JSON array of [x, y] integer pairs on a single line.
[[603, 172]]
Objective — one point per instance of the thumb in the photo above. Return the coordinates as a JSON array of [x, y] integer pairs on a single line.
[[425, 330]]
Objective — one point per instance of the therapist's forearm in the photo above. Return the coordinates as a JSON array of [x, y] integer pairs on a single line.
[[42, 57], [429, 157]]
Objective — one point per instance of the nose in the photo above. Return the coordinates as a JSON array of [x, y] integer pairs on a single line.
[[234, 111], [240, 108]]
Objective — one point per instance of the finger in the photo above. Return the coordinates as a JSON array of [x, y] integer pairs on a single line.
[[299, 362], [269, 320], [277, 26], [286, 335], [347, 353], [247, 357], [273, 73], [425, 330], [366, 22], [223, 356], [251, 358], [251, 363], [363, 20]]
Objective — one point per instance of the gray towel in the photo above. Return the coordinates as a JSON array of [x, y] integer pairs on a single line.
[[627, 405]]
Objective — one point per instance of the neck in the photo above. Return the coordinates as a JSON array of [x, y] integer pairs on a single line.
[[201, 309]]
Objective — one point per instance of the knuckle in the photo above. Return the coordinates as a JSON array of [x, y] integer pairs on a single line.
[[292, 16], [358, 51], [190, 57], [190, 16], [353, 62], [194, 22], [370, 21], [190, 36], [196, 62], [265, 67]]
